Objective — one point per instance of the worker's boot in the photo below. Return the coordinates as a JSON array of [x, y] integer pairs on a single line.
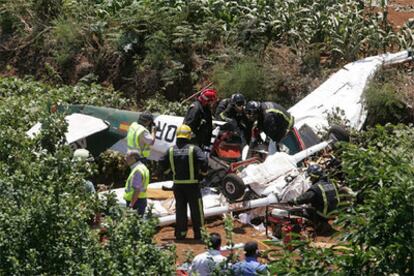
[[179, 236], [324, 229], [197, 236]]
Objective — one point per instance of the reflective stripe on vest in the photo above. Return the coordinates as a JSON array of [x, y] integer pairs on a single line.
[[192, 179], [325, 201], [134, 133], [129, 191], [287, 118]]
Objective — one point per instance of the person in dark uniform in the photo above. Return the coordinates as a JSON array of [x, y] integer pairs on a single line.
[[231, 110], [271, 118], [324, 199], [199, 117], [188, 164]]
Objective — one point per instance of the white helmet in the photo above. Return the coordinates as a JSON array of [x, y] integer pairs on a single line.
[[82, 155]]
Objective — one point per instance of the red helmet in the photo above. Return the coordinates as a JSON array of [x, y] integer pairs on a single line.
[[207, 96]]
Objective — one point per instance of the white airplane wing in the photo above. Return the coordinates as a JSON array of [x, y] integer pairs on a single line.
[[79, 126], [343, 90]]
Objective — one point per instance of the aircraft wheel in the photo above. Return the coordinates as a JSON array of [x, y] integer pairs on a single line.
[[233, 187], [338, 133]]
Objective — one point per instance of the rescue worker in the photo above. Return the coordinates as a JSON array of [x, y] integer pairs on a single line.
[[231, 110], [136, 185], [323, 197], [199, 117], [188, 164], [139, 137], [83, 158], [271, 118]]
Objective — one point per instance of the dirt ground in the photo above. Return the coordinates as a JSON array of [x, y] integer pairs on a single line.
[[241, 234], [399, 12]]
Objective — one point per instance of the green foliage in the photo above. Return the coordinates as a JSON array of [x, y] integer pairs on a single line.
[[381, 155], [7, 23], [45, 214], [377, 233], [47, 10], [177, 42], [112, 168], [303, 260], [381, 167], [66, 40], [159, 104], [246, 76], [384, 102]]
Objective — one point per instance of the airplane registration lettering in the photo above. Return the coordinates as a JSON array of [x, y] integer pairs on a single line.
[[160, 130], [170, 135], [166, 132], [80, 144]]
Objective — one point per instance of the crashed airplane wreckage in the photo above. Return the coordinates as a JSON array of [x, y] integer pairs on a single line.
[[107, 128], [343, 90]]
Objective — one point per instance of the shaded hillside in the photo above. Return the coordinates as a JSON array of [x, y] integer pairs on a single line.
[[174, 47]]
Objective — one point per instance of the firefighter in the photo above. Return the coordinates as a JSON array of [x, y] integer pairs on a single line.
[[136, 185], [271, 118], [324, 199], [199, 117], [188, 164], [139, 138], [231, 110]]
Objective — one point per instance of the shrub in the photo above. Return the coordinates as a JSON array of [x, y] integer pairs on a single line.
[[45, 215], [180, 39], [384, 105], [381, 229], [245, 76], [378, 232], [159, 104]]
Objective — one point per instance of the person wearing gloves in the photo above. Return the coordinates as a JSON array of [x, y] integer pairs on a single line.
[[136, 185], [231, 110], [199, 117], [271, 118], [323, 196]]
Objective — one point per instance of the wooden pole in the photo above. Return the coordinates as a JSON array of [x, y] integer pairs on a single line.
[[196, 93]]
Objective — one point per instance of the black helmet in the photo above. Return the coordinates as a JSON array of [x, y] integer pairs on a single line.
[[252, 107], [145, 118], [238, 99], [315, 172]]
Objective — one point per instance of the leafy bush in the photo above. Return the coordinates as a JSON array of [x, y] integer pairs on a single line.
[[112, 169], [245, 76], [381, 167], [159, 104], [384, 105], [378, 232], [177, 42], [45, 214]]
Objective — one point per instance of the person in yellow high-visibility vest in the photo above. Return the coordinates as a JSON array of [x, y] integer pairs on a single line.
[[188, 165], [139, 137], [136, 184]]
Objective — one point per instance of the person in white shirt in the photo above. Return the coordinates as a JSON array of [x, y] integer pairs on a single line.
[[204, 263]]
